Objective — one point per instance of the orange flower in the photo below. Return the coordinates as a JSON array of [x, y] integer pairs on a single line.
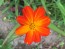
[[33, 23]]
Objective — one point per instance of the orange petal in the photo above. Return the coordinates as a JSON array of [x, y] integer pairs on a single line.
[[39, 12], [28, 12], [43, 22], [37, 37], [22, 30], [44, 31], [29, 37], [22, 20]]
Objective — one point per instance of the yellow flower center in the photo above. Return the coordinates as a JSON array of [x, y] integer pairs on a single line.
[[32, 26]]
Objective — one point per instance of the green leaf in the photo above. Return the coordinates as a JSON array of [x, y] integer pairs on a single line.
[[26, 3], [55, 28], [61, 43], [7, 8], [1, 2], [6, 46], [10, 15], [62, 9], [1, 40], [54, 48]]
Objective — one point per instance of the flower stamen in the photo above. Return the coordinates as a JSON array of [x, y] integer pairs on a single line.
[[32, 26]]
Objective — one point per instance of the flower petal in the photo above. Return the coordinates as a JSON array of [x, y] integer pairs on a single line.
[[37, 36], [22, 20], [28, 12], [29, 37], [39, 12], [22, 30], [44, 31], [43, 22]]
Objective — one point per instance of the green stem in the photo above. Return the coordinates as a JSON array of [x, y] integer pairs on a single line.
[[10, 34], [26, 3], [16, 7], [55, 28], [62, 9], [7, 7], [44, 5], [60, 6], [12, 38]]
